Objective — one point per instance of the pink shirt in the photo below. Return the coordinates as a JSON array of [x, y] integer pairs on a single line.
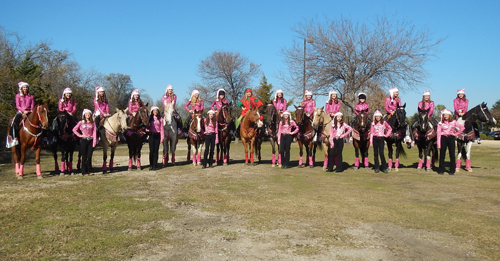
[[460, 105], [361, 107], [197, 106], [332, 108], [25, 103], [69, 107], [102, 108], [427, 106], [166, 100], [133, 107], [341, 132], [448, 128], [380, 130], [309, 106], [280, 106], [391, 106], [86, 129], [210, 128], [218, 104], [156, 126], [287, 129]]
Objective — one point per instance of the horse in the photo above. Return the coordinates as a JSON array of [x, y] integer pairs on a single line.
[[361, 139], [195, 138], [170, 137], [425, 137], [65, 140], [29, 137], [464, 140], [224, 121], [109, 132], [135, 133], [323, 121], [272, 125], [249, 134], [399, 132], [306, 136]]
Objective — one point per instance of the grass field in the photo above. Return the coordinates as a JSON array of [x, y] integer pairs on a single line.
[[240, 212]]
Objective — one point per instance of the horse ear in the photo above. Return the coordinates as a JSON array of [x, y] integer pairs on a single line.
[[147, 104], [322, 108], [295, 106], [404, 106]]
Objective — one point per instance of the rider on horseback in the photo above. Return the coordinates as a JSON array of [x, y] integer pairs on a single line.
[[248, 102], [461, 105], [101, 108], [332, 106], [279, 102], [392, 103], [426, 104], [25, 103], [360, 106], [196, 104], [170, 97], [220, 101]]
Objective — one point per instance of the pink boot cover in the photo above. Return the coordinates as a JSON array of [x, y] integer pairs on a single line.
[[70, 166], [325, 162], [420, 163], [63, 166], [459, 163], [366, 162], [38, 170], [111, 164], [138, 163], [396, 165], [130, 163], [273, 160], [104, 168], [390, 163]]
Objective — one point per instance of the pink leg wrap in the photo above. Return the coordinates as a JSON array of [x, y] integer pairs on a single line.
[[194, 157], [356, 162], [428, 164], [396, 165], [199, 157], [325, 162], [226, 158], [63, 166], [279, 159], [173, 157], [420, 163], [251, 157], [390, 163], [70, 166], [311, 163], [164, 159], [16, 166], [300, 160], [21, 170], [273, 160], [366, 162], [459, 163], [111, 164], [246, 157], [130, 163], [104, 168], [138, 163], [467, 164], [38, 170]]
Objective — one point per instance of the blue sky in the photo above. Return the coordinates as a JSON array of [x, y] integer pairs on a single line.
[[162, 42]]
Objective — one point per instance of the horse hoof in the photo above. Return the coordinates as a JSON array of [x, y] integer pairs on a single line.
[[367, 168], [457, 170], [311, 166], [19, 177], [428, 170], [419, 168], [396, 169], [272, 165], [355, 168], [469, 170], [39, 177], [224, 164], [129, 169], [61, 174], [389, 169], [299, 166]]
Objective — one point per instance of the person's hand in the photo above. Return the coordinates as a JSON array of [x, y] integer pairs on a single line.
[[107, 115], [161, 141], [392, 113], [191, 111]]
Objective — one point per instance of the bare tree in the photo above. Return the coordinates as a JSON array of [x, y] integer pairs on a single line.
[[230, 71], [118, 89], [352, 57]]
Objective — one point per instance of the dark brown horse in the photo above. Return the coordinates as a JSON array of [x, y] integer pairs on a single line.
[[272, 125], [361, 139], [135, 133], [65, 140], [306, 136], [249, 133], [30, 137], [224, 121], [195, 138]]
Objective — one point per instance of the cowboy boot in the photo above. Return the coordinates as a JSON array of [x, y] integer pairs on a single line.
[[138, 164], [63, 167], [420, 163]]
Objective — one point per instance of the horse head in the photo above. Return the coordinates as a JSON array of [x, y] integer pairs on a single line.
[[143, 113], [121, 119], [271, 114], [196, 123], [299, 115], [400, 116], [318, 118], [362, 121], [485, 115], [225, 114], [42, 110], [423, 119]]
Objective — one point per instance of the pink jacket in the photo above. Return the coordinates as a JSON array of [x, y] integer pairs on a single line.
[[380, 130], [70, 107], [86, 129], [280, 106], [341, 132], [166, 100], [360, 107], [391, 106], [427, 106], [25, 103], [448, 128], [156, 126], [460, 105], [309, 106], [287, 129], [102, 108], [210, 128], [197, 106], [218, 105], [332, 108], [133, 107]]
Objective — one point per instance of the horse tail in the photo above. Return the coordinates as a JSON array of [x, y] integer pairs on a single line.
[[402, 152]]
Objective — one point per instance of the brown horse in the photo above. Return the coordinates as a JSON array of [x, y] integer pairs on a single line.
[[195, 138], [135, 134], [224, 121], [30, 137], [248, 133], [361, 139], [323, 121], [306, 136]]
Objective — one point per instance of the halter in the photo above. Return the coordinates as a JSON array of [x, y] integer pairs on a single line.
[[39, 126], [484, 113]]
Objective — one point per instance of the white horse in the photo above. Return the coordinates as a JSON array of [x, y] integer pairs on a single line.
[[171, 138]]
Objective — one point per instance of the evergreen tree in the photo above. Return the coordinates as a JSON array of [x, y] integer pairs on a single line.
[[264, 92]]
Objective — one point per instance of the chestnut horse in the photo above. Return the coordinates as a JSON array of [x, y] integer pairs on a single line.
[[30, 137], [195, 138], [135, 133], [306, 136], [224, 121], [249, 135]]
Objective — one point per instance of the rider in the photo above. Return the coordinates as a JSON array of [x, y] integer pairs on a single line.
[[67, 103], [332, 106], [134, 103], [447, 130], [220, 101], [392, 102], [170, 98], [461, 105], [101, 107], [196, 103], [360, 106], [25, 103], [248, 102], [308, 103], [426, 104], [279, 102]]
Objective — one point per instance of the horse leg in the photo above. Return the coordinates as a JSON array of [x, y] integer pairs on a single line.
[[252, 144], [173, 146], [356, 154], [365, 154], [54, 153], [70, 161], [309, 150], [389, 155], [189, 149], [398, 149], [421, 153], [193, 148], [22, 159], [104, 154], [200, 148], [325, 154], [138, 155], [16, 157], [468, 148], [300, 154], [460, 145], [37, 161]]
